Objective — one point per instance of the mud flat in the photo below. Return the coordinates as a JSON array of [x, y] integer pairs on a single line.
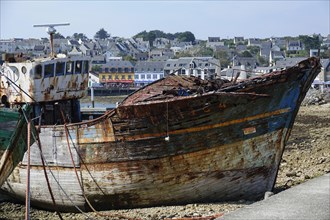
[[307, 155]]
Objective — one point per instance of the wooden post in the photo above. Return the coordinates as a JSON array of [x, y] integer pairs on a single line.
[[27, 196]]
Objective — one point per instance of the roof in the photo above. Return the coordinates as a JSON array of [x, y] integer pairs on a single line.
[[145, 66], [117, 63], [288, 62]]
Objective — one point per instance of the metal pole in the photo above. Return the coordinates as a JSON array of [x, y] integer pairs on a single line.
[[27, 196], [92, 96], [52, 54]]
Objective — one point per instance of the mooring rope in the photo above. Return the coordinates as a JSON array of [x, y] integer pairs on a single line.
[[44, 162], [76, 172]]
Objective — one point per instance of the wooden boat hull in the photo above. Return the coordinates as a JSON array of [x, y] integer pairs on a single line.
[[218, 146], [13, 139]]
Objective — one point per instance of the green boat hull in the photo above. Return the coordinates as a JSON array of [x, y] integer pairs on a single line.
[[13, 139]]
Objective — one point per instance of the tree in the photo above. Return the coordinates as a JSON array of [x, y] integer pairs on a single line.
[[246, 54], [310, 42], [101, 34], [57, 35], [81, 36], [186, 37], [223, 58]]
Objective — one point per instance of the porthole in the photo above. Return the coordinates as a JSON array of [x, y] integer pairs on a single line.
[[23, 69]]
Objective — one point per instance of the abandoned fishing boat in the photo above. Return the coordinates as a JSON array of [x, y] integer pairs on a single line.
[[178, 140], [13, 137]]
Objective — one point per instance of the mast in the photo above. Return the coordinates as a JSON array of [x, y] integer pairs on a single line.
[[51, 31]]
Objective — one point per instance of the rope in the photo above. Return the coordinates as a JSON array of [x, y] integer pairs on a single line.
[[46, 176], [82, 161], [76, 172]]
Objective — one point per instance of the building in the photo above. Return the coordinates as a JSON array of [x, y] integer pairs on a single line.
[[146, 72], [202, 67], [117, 73]]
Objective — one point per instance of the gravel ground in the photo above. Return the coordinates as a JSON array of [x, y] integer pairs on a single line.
[[307, 155]]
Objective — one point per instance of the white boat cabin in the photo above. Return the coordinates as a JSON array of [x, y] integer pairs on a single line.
[[49, 84]]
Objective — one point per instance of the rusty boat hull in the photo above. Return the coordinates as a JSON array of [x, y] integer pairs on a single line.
[[157, 149]]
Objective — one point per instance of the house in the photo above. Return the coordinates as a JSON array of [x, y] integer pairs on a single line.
[[276, 55], [238, 40], [212, 42], [7, 46], [294, 45], [202, 67], [315, 52], [324, 75], [39, 50], [279, 41], [326, 41], [254, 42], [141, 56], [75, 52], [248, 62], [146, 72], [117, 73], [266, 47], [161, 43]]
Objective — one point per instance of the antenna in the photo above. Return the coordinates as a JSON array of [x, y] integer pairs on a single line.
[[51, 31]]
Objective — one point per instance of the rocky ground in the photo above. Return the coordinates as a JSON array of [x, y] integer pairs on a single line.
[[307, 155]]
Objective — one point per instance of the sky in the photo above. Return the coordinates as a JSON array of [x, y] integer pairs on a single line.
[[210, 18]]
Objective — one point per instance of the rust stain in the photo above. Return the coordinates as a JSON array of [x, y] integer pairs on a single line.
[[206, 127]]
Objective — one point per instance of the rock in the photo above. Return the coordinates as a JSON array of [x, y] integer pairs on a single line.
[[291, 174]]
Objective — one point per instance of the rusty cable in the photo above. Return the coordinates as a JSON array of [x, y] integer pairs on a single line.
[[37, 139], [47, 179], [83, 162], [80, 184]]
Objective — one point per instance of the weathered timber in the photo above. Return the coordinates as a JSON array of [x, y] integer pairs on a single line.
[[178, 140]]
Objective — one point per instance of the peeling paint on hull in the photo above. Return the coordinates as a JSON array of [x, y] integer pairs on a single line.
[[155, 150]]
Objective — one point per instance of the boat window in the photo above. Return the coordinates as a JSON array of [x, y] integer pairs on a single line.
[[23, 69], [49, 70], [60, 69], [86, 66], [69, 67], [38, 71], [78, 67]]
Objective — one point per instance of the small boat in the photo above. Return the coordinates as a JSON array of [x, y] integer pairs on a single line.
[[178, 140], [13, 138]]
